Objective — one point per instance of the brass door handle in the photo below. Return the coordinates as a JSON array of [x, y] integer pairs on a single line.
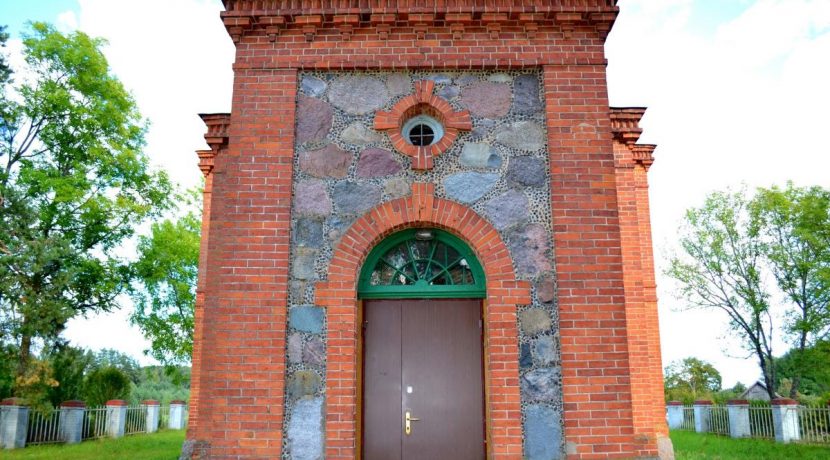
[[408, 419]]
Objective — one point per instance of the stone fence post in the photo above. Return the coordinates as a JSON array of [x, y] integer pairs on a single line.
[[785, 420], [14, 421], [738, 410], [176, 419], [116, 417], [703, 415], [71, 423], [152, 419], [674, 411]]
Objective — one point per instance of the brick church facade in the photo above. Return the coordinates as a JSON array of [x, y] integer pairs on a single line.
[[425, 235]]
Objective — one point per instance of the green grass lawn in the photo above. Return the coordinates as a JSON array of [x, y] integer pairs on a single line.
[[165, 445], [692, 446]]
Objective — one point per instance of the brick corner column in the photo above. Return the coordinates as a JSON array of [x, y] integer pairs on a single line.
[[116, 417], [72, 421], [14, 421], [785, 420], [703, 415]]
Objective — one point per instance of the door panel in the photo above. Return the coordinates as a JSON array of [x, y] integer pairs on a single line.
[[382, 380], [436, 346]]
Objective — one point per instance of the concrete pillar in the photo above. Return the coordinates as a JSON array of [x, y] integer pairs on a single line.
[[176, 419], [116, 417], [152, 407], [71, 424], [674, 412], [738, 410], [14, 421], [785, 420], [703, 416]]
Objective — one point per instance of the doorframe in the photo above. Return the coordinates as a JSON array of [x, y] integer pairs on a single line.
[[485, 372]]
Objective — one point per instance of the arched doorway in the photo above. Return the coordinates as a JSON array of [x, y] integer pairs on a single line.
[[422, 349]]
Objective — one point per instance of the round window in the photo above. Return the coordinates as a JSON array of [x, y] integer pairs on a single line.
[[422, 130]]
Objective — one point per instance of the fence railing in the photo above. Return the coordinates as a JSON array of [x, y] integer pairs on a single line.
[[95, 423], [73, 422], [44, 427], [783, 420]]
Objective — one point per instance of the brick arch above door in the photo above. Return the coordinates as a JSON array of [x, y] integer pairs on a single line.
[[338, 294]]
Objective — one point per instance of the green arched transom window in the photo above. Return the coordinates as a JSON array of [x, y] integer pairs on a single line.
[[419, 263]]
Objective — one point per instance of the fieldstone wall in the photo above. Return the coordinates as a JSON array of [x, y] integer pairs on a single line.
[[343, 168]]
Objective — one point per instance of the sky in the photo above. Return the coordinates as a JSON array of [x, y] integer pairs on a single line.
[[737, 92]]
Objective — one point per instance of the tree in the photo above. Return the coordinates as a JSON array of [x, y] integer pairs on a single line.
[[69, 365], [104, 384], [732, 244], [5, 70], [795, 224], [720, 269], [691, 379], [810, 366], [165, 292], [74, 185]]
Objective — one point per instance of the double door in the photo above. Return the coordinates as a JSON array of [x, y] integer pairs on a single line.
[[422, 380]]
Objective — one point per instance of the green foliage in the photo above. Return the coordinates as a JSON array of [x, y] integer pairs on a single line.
[[812, 365], [69, 366], [162, 383], [104, 384], [113, 358], [165, 292], [732, 243], [74, 184], [5, 70], [691, 379]]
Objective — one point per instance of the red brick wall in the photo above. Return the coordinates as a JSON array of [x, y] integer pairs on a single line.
[[240, 359], [242, 353]]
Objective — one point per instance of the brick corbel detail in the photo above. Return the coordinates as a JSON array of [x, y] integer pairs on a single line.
[[346, 24], [273, 25], [338, 294], [422, 101], [309, 24], [237, 26], [567, 23], [458, 23]]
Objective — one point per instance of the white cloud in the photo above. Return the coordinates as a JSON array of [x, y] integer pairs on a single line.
[[745, 104], [67, 21]]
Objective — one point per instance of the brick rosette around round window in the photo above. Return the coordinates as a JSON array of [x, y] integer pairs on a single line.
[[428, 110]]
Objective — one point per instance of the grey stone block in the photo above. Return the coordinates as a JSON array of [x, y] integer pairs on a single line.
[[543, 433], [305, 430], [307, 318]]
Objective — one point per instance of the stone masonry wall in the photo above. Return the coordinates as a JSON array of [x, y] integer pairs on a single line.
[[500, 169]]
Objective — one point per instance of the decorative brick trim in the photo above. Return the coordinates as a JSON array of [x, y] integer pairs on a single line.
[[13, 402], [737, 402], [338, 294], [422, 101], [625, 123], [116, 402], [218, 125], [782, 402], [150, 402], [73, 403], [703, 402], [674, 403]]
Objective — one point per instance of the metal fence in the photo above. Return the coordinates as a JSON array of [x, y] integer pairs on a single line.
[[719, 420], [44, 427], [688, 418], [814, 424], [136, 420], [95, 423], [760, 421]]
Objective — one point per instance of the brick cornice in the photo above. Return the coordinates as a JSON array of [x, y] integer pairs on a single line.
[[625, 123], [216, 137], [244, 16]]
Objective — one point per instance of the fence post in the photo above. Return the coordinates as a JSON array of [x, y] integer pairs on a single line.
[[14, 421], [176, 419], [674, 410], [71, 424], [738, 410], [785, 420], [152, 407], [703, 415], [116, 417]]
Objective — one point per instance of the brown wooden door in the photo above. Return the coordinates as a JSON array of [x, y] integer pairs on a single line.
[[423, 356]]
